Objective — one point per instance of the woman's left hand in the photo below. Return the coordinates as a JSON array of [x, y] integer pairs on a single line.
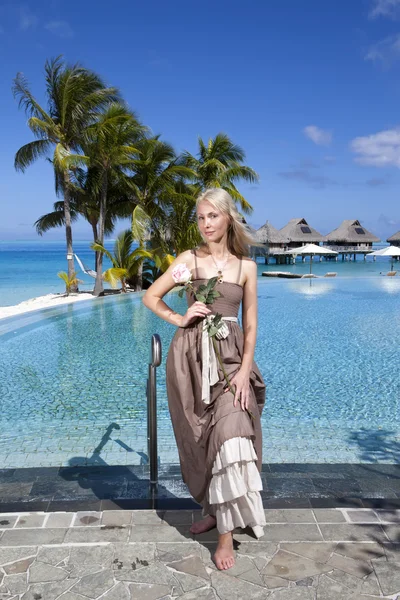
[[241, 381]]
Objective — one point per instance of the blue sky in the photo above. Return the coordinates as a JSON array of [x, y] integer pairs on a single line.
[[310, 89]]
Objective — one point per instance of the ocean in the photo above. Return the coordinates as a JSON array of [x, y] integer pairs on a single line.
[[29, 269]]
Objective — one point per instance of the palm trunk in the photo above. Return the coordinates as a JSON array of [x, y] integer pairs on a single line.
[[98, 286], [96, 254], [68, 232], [139, 280]]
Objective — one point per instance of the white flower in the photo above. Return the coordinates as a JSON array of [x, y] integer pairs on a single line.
[[223, 331], [181, 274]]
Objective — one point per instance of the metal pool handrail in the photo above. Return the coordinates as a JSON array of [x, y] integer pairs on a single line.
[[155, 361]]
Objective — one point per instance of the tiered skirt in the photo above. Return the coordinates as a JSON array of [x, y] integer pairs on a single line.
[[234, 490]]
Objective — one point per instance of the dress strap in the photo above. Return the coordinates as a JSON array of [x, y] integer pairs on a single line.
[[240, 270], [195, 263]]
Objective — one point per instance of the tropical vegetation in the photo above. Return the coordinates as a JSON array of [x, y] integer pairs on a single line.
[[109, 166]]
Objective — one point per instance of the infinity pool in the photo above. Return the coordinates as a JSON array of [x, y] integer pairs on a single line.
[[73, 379]]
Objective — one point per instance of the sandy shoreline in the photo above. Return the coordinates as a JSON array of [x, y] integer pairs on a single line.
[[42, 302]]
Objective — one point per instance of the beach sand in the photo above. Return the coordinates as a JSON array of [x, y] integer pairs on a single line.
[[42, 302]]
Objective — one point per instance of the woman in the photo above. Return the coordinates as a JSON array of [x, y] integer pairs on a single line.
[[219, 441]]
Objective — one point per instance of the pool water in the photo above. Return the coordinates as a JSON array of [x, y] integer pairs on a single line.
[[327, 349]]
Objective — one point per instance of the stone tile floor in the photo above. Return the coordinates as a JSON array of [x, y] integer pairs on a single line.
[[305, 554]]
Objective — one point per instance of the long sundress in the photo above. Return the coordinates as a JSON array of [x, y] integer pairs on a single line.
[[219, 445]]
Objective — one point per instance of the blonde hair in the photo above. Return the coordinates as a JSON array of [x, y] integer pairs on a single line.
[[239, 236]]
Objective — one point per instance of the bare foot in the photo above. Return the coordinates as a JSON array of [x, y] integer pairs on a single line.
[[224, 557], [204, 525]]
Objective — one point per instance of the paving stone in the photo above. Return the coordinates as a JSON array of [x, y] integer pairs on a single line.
[[53, 556], [192, 566], [59, 520], [116, 517], [392, 551], [360, 551], [362, 516], [242, 565], [349, 581], [253, 576], [31, 537], [10, 555], [87, 519], [147, 517], [78, 535], [130, 557], [31, 520], [206, 594], [170, 551], [391, 516], [262, 549], [95, 585], [51, 591], [260, 562], [164, 533], [229, 588], [293, 566], [178, 517], [350, 565], [329, 515], [190, 582], [8, 521], [15, 584], [388, 575], [329, 589], [289, 515], [301, 593], [118, 592], [319, 551], [43, 572], [392, 532], [370, 585], [145, 591], [341, 533], [71, 596], [79, 571], [289, 532], [99, 555], [155, 573], [20, 566]]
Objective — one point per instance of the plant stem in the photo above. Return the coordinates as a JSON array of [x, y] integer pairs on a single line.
[[225, 373]]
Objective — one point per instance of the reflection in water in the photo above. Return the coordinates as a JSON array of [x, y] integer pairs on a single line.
[[312, 288], [390, 285]]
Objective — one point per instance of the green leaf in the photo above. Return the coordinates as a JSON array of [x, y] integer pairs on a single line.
[[201, 298], [181, 292]]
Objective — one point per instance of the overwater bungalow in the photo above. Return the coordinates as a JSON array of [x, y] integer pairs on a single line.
[[350, 238], [298, 233], [273, 241], [394, 239]]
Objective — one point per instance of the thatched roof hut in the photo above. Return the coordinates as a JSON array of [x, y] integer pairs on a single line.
[[394, 239], [268, 234], [298, 232], [350, 233]]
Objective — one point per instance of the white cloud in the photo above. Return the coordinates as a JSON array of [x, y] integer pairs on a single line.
[[386, 52], [27, 19], [60, 28], [317, 135], [385, 8], [379, 149]]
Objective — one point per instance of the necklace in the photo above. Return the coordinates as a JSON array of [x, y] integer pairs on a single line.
[[219, 268]]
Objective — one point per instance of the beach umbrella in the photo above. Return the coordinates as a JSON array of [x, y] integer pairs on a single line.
[[391, 251], [311, 250]]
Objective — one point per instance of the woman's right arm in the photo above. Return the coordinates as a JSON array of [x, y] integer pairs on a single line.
[[152, 299]]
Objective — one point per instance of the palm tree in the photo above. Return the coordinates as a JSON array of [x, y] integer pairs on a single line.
[[75, 97], [219, 164], [84, 202], [111, 150], [157, 173], [125, 261]]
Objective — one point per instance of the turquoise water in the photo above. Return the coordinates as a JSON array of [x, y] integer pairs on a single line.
[[29, 269], [328, 351]]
